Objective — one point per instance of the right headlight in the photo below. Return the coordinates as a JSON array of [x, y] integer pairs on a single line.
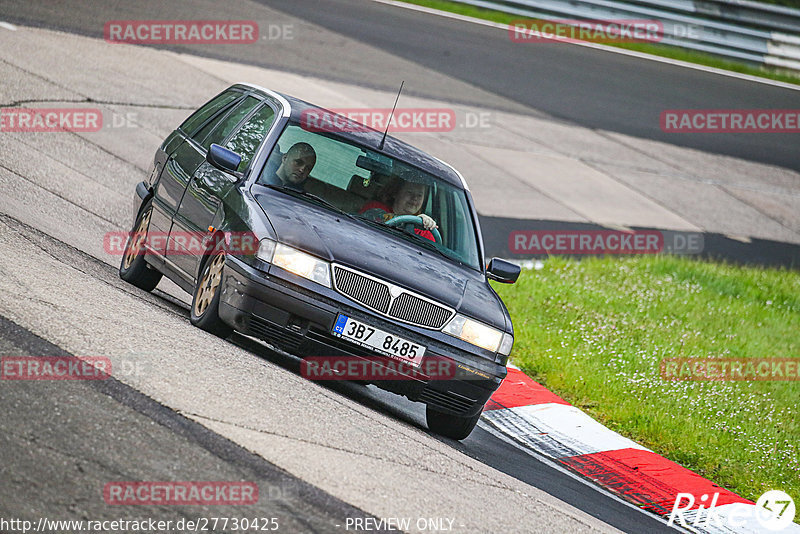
[[295, 261], [477, 333]]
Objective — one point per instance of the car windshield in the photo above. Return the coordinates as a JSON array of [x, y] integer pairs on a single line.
[[376, 188]]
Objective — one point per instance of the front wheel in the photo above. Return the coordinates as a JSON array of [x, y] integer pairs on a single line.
[[450, 426], [133, 268], [205, 301]]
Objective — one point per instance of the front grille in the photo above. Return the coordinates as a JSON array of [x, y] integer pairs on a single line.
[[367, 291], [375, 294], [412, 309]]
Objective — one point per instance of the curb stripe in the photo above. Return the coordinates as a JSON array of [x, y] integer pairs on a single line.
[[649, 479], [518, 389], [540, 421], [575, 432]]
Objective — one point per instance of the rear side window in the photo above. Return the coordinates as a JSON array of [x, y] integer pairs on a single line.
[[217, 131], [247, 139], [200, 116]]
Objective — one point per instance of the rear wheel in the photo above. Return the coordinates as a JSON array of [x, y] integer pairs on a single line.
[[133, 268], [450, 426], [205, 301]]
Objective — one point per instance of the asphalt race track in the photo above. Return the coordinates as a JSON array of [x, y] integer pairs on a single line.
[[575, 84], [154, 442], [52, 429], [187, 406], [384, 45]]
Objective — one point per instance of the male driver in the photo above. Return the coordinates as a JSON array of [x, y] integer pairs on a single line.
[[295, 166]]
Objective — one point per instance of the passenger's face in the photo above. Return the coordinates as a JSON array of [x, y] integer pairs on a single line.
[[297, 165], [409, 199]]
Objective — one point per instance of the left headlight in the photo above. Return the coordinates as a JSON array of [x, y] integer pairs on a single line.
[[295, 261], [474, 332]]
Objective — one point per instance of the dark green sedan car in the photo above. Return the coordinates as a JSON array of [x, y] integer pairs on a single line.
[[342, 246]]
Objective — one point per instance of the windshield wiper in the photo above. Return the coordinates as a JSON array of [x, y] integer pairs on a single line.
[[302, 193]]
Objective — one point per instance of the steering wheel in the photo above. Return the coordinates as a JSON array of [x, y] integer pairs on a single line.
[[416, 221]]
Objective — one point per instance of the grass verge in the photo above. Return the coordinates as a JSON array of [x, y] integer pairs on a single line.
[[595, 331], [671, 52]]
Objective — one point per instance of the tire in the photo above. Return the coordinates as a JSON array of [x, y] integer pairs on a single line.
[[450, 426], [205, 299], [133, 268]]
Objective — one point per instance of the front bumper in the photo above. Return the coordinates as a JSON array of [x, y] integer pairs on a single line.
[[298, 316]]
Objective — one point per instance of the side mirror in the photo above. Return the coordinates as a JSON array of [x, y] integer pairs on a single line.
[[502, 271], [224, 159]]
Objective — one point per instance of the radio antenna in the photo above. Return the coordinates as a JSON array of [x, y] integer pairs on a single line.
[[383, 140]]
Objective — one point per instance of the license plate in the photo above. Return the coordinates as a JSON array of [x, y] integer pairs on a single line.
[[376, 339]]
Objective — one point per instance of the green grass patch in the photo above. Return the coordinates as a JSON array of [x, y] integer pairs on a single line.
[[795, 4], [595, 331], [672, 52]]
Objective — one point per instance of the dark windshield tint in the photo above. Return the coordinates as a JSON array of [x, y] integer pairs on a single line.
[[378, 188]]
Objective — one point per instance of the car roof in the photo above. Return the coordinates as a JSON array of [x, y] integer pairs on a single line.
[[370, 138]]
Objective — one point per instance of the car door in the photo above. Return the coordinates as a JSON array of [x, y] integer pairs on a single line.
[[203, 196], [183, 159]]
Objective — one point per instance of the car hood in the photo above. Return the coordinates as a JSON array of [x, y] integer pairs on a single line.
[[336, 237]]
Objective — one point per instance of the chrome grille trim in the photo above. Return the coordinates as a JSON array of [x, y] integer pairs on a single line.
[[390, 300], [370, 292], [410, 308]]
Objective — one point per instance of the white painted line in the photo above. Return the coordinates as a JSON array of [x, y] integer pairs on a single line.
[[606, 48], [8, 26], [562, 429]]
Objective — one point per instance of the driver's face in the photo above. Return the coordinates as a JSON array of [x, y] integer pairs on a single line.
[[409, 199], [298, 166]]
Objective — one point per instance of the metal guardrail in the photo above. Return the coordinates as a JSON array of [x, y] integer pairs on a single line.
[[768, 16], [742, 30]]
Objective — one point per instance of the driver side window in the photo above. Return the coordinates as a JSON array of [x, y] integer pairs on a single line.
[[200, 116], [217, 132], [247, 139]]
